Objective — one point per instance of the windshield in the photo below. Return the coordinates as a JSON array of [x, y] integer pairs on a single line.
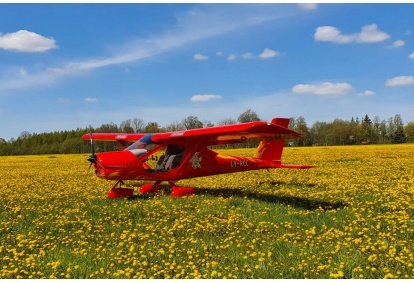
[[144, 143]]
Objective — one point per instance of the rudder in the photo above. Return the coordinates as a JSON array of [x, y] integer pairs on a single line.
[[272, 150]]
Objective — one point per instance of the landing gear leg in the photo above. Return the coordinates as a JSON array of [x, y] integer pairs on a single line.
[[120, 192]]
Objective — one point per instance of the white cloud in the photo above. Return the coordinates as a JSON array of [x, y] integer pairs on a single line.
[[18, 78], [231, 57], [328, 33], [26, 41], [411, 56], [325, 89], [200, 57], [91, 99], [201, 22], [204, 97], [400, 81], [366, 93], [368, 34], [219, 53], [308, 6], [397, 43], [248, 55], [268, 53]]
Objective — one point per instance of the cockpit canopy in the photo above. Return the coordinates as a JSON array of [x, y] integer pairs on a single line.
[[143, 143], [142, 146]]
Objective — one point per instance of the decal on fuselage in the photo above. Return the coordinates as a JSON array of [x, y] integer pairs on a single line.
[[195, 161]]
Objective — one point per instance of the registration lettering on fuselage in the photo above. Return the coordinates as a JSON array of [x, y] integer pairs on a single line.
[[239, 163]]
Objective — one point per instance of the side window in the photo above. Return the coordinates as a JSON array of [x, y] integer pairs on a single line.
[[171, 158]]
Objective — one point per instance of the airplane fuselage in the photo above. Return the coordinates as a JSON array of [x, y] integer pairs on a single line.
[[124, 165]]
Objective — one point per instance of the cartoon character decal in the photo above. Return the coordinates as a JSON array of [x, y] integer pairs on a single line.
[[195, 160]]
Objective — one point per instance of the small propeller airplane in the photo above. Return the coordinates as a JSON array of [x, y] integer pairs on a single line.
[[173, 156]]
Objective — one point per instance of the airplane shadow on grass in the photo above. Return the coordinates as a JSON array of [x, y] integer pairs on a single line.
[[226, 192], [297, 202]]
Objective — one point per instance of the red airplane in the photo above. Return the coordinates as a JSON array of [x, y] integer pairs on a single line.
[[186, 154]]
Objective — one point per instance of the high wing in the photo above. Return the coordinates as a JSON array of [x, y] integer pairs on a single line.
[[277, 129], [236, 133], [122, 138]]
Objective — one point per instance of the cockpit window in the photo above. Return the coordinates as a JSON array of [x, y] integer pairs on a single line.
[[144, 143]]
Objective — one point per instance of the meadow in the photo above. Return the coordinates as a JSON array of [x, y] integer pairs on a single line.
[[351, 217]]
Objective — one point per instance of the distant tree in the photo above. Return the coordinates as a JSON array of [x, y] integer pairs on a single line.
[[409, 131], [108, 128], [152, 127], [138, 125], [207, 124], [337, 134], [319, 132], [291, 123], [395, 129], [302, 128], [126, 126], [399, 135], [376, 130], [367, 120], [391, 129], [25, 135], [248, 116], [383, 131], [366, 128], [192, 122], [228, 121], [398, 121], [73, 145], [175, 126]]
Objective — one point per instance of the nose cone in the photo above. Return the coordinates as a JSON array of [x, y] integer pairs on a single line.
[[114, 165], [96, 161]]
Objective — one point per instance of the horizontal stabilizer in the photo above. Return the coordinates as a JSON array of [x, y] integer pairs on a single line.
[[293, 166]]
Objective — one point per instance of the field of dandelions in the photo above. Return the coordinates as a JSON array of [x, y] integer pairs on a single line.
[[351, 217]]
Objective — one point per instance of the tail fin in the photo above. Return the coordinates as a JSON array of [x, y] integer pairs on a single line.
[[272, 150]]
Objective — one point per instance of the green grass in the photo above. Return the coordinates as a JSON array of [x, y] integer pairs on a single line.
[[334, 221]]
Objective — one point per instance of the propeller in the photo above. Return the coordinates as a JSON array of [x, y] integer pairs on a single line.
[[92, 158]]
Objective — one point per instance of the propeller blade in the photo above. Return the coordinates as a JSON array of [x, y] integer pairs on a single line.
[[89, 168], [92, 158], [91, 139]]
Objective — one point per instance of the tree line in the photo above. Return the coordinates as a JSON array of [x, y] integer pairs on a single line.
[[337, 132], [354, 131]]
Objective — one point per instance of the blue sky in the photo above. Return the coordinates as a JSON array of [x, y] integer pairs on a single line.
[[64, 66]]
